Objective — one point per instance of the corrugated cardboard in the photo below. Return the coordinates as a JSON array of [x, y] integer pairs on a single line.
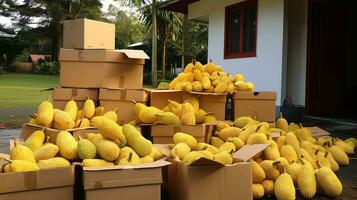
[[122, 99], [62, 95], [318, 132], [210, 102], [209, 180], [124, 182], [88, 34], [255, 104], [102, 68], [49, 184], [28, 129], [162, 134]]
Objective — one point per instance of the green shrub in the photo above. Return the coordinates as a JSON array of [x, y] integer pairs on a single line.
[[46, 66]]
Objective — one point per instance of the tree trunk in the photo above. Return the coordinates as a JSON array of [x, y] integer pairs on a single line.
[[154, 46], [164, 58], [184, 38]]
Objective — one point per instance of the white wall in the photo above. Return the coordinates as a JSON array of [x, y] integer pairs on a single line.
[[296, 74], [265, 70]]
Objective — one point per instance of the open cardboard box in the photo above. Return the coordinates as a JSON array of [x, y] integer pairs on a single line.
[[28, 129], [260, 105], [210, 102], [318, 132], [127, 182], [102, 68], [163, 134], [88, 34], [47, 184], [210, 180], [62, 95], [122, 99]]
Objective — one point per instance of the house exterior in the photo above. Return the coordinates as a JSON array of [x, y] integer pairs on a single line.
[[257, 46]]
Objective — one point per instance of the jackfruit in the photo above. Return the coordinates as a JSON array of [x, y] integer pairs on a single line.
[[240, 122], [236, 141], [141, 146], [194, 102], [292, 141], [191, 157], [168, 118], [53, 163], [293, 127], [72, 109], [306, 181], [175, 107], [269, 167], [329, 182], [148, 114], [207, 154], [185, 138], [282, 123], [224, 158], [109, 129], [35, 140], [180, 150], [96, 163], [257, 138], [80, 114], [247, 132], [128, 156], [107, 150], [45, 152], [206, 83], [339, 155], [189, 67], [45, 114], [188, 116], [22, 152], [197, 75], [99, 111], [271, 152], [89, 108], [281, 141], [288, 152], [221, 88], [112, 115], [238, 77], [86, 149], [229, 132], [250, 86], [216, 141], [163, 85], [293, 170], [138, 107], [22, 166], [210, 119], [284, 187], [258, 173], [345, 147], [67, 145], [210, 67], [62, 120], [197, 86], [258, 190], [268, 187], [227, 146], [201, 116], [241, 86]]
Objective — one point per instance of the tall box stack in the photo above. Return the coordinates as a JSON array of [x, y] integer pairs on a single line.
[[92, 67]]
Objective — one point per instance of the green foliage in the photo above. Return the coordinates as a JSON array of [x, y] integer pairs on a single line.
[[23, 56], [46, 66]]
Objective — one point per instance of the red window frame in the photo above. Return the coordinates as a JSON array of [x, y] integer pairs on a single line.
[[239, 6]]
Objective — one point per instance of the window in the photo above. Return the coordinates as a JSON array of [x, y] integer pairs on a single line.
[[241, 30]]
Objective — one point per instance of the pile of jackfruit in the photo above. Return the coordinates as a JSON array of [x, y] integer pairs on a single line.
[[71, 116], [175, 113], [209, 78], [295, 159]]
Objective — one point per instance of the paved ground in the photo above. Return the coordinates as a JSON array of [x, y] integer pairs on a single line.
[[14, 117], [5, 136]]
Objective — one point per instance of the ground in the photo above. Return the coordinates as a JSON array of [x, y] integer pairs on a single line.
[[20, 94]]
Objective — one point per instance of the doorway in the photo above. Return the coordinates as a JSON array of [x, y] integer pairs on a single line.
[[331, 82]]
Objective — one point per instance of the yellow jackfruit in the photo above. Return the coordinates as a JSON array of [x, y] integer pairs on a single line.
[[224, 158], [268, 187], [53, 163], [22, 152], [47, 151], [67, 145], [35, 140], [86, 149], [224, 134], [221, 87], [240, 122], [72, 109], [180, 150], [62, 120], [185, 138], [22, 166], [141, 145], [306, 181], [107, 150], [45, 114], [210, 67], [282, 123], [89, 108], [109, 129], [258, 173], [96, 163], [227, 146], [329, 182], [201, 116], [236, 141], [284, 187], [191, 157], [188, 114], [99, 111], [206, 82], [216, 141], [257, 138], [148, 114], [168, 118], [112, 115], [258, 190], [194, 102], [175, 107]]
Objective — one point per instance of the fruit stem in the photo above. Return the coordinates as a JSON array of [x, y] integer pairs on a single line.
[[133, 101], [115, 110], [281, 115]]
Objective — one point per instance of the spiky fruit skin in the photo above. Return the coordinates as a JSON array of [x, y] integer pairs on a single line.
[[284, 188], [289, 153], [109, 129], [227, 146], [216, 141], [156, 153], [240, 122], [141, 146], [62, 120], [99, 111], [72, 109], [270, 170], [86, 149], [47, 151], [186, 138], [339, 155], [21, 152], [22, 166], [344, 146], [191, 157], [272, 152], [89, 108], [207, 154], [257, 138], [45, 114], [282, 124], [188, 116], [258, 190], [226, 133], [268, 187], [247, 132], [107, 150], [84, 123], [128, 156], [180, 150], [293, 170], [168, 118], [236, 141], [96, 163], [224, 158], [35, 141], [306, 181], [53, 163], [210, 119], [67, 145], [111, 115], [147, 159], [258, 173], [329, 182], [292, 141]]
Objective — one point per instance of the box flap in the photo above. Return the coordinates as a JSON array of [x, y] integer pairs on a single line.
[[135, 54], [248, 151], [156, 164], [164, 149], [318, 132], [206, 93], [123, 95], [74, 93], [275, 134], [164, 91], [262, 95]]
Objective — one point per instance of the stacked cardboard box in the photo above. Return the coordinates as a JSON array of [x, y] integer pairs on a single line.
[[92, 68]]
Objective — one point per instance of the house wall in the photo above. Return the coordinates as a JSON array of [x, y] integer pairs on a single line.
[[266, 69], [297, 51]]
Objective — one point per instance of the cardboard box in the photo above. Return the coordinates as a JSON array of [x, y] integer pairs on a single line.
[[210, 180], [28, 129], [137, 182], [88, 34], [102, 68], [210, 102], [255, 104], [111, 99], [318, 132], [162, 134], [61, 96], [48, 184]]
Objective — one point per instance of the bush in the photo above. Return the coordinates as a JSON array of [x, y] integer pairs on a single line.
[[23, 56], [46, 66]]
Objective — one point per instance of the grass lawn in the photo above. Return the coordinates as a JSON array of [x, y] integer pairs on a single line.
[[24, 90], [20, 95]]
